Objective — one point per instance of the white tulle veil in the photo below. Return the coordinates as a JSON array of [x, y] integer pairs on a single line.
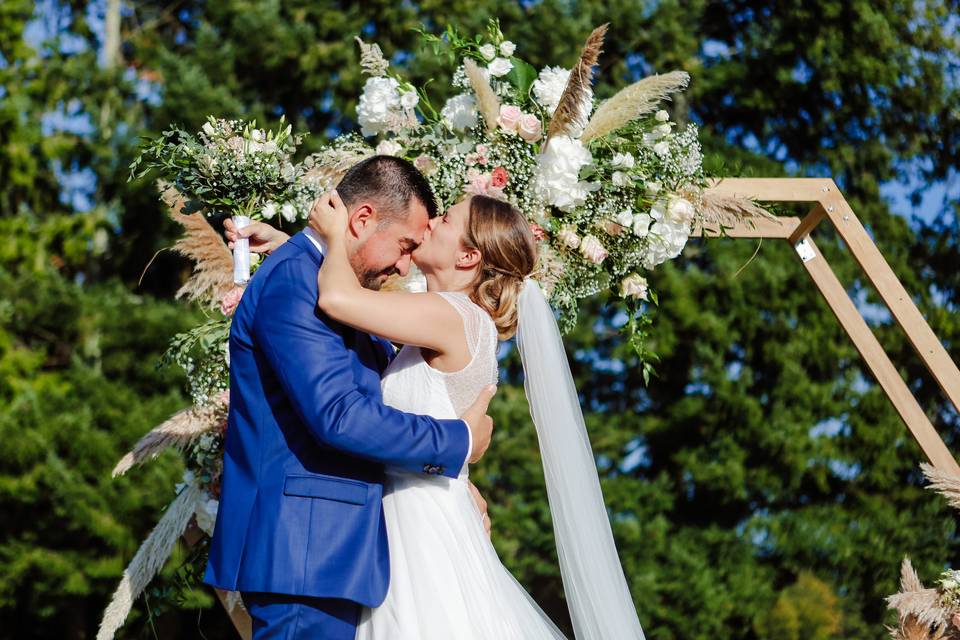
[[599, 600]]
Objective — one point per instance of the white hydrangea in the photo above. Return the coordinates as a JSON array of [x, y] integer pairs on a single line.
[[548, 88], [379, 101], [460, 112], [558, 173]]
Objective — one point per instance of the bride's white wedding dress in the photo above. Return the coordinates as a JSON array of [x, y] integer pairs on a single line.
[[446, 580]]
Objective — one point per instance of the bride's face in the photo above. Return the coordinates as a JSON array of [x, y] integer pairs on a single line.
[[442, 244]]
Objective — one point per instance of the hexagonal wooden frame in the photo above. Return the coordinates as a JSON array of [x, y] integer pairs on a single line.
[[829, 204]]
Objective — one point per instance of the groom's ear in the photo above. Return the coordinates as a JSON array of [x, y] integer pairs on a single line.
[[361, 219]]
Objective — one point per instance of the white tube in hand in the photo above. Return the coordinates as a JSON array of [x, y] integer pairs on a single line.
[[241, 253]]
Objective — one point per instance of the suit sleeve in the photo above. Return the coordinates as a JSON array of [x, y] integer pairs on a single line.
[[314, 368]]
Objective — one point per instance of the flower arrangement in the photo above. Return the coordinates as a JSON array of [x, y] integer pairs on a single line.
[[610, 190]]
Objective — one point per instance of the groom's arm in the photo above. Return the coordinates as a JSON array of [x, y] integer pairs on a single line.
[[314, 368]]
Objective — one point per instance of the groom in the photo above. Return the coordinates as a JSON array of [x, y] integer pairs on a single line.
[[300, 529]]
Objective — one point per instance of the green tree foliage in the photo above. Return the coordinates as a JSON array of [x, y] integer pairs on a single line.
[[760, 487]]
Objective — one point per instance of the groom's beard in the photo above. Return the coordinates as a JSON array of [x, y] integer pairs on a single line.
[[370, 279]]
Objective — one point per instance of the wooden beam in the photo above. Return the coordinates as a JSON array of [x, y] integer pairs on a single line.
[[752, 228], [241, 620], [878, 362], [808, 224], [891, 290], [774, 189]]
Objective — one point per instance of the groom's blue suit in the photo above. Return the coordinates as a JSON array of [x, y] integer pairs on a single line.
[[300, 520]]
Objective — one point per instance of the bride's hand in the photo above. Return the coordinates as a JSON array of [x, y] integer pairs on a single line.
[[264, 238], [329, 216]]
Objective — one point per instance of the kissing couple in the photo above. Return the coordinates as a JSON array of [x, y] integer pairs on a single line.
[[346, 509]]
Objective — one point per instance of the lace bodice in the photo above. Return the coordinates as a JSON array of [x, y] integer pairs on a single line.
[[411, 385]]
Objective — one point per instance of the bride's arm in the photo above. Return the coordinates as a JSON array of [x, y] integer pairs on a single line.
[[420, 319]]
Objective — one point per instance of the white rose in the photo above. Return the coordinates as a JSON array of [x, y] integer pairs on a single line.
[[625, 218], [460, 112], [388, 148], [507, 48], [208, 129], [658, 209], [288, 212], [257, 135], [409, 100], [623, 161], [653, 188], [488, 51], [641, 224], [662, 116], [269, 147], [661, 149], [634, 286], [379, 101], [500, 67], [681, 210], [568, 236], [620, 179], [663, 129], [269, 211], [206, 514]]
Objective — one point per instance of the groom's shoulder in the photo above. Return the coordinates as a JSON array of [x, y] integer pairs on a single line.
[[291, 259]]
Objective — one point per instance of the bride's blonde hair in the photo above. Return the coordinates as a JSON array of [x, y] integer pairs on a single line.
[[508, 255]]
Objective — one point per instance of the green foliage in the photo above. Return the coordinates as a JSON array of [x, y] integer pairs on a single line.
[[806, 610]]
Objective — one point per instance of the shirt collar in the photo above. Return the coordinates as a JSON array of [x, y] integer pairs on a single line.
[[316, 240]]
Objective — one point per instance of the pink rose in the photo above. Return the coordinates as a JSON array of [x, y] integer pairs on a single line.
[[230, 300], [539, 233], [529, 127], [509, 118], [592, 249], [612, 228], [499, 177], [569, 237], [482, 149], [425, 164]]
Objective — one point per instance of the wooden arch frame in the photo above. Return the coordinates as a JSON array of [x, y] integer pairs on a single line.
[[828, 204]]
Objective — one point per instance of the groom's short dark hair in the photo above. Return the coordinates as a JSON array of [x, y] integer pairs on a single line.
[[390, 182]]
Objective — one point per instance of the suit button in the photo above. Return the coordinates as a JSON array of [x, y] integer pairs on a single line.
[[432, 469]]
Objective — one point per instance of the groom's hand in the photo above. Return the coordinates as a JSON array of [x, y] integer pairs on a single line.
[[479, 423], [481, 506]]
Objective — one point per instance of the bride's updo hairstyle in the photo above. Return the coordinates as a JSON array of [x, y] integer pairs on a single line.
[[508, 255]]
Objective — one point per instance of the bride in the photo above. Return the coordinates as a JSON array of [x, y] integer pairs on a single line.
[[446, 579]]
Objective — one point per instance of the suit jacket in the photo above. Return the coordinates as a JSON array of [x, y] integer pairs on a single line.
[[307, 440]]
